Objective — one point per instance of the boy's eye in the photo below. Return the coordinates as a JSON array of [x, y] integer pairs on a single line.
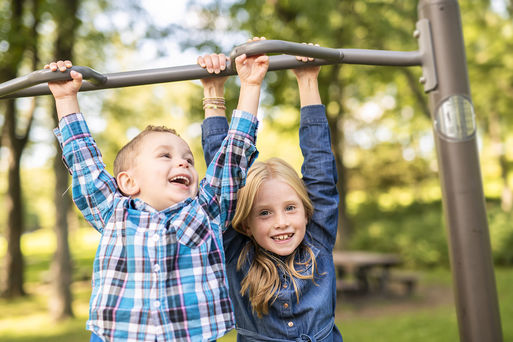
[[190, 161], [290, 207], [165, 155]]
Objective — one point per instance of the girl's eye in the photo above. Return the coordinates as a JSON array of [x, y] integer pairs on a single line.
[[290, 207], [264, 213], [190, 161], [165, 155]]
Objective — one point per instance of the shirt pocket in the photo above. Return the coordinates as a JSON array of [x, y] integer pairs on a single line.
[[304, 262], [192, 229]]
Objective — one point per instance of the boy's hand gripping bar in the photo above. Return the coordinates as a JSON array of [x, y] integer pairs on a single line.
[[46, 75]]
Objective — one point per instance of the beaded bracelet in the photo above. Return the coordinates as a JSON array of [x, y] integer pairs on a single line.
[[214, 103], [213, 106]]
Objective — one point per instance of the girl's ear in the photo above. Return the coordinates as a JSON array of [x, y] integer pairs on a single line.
[[246, 230], [127, 184]]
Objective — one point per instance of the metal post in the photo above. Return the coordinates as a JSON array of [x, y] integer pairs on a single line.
[[464, 205]]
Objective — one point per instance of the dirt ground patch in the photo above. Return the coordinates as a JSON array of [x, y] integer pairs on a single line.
[[393, 301]]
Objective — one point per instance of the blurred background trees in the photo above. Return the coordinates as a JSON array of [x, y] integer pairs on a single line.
[[381, 130]]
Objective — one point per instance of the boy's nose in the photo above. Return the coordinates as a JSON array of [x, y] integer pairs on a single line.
[[183, 163]]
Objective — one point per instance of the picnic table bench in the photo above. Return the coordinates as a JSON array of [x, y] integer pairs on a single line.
[[362, 271]]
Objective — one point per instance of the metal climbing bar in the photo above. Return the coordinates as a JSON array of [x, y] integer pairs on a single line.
[[35, 84]]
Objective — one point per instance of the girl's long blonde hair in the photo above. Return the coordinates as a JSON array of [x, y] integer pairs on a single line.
[[262, 281]]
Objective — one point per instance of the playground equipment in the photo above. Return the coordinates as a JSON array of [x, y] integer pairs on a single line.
[[441, 55]]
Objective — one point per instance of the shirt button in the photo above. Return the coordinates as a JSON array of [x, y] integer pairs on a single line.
[[156, 267], [156, 304], [155, 238], [290, 324], [286, 305], [285, 286]]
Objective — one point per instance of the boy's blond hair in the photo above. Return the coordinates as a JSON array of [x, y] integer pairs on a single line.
[[126, 156], [262, 281]]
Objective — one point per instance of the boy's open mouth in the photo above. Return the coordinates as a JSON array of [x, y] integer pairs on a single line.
[[180, 180], [282, 237]]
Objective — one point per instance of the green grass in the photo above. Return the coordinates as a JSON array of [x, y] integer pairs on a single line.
[[380, 319], [429, 325]]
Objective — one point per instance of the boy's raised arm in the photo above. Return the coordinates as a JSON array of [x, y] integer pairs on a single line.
[[93, 187], [65, 92], [251, 73]]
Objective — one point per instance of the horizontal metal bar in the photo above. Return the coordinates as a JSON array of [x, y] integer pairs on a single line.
[[194, 71], [290, 48]]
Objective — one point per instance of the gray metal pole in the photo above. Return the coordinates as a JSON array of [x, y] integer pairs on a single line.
[[464, 205]]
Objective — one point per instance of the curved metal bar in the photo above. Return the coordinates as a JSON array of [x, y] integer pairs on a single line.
[[194, 71], [290, 48], [46, 75]]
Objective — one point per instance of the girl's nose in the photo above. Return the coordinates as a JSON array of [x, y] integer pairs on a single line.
[[281, 221]]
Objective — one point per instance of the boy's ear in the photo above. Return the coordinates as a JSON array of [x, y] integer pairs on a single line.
[[127, 184]]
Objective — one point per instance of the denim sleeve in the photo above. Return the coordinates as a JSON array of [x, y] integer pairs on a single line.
[[319, 174], [213, 131]]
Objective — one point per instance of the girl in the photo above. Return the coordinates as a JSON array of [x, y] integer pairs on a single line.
[[279, 251]]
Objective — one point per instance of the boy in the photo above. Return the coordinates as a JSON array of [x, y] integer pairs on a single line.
[[159, 269]]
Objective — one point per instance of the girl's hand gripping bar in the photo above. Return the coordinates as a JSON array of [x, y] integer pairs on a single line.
[[290, 48]]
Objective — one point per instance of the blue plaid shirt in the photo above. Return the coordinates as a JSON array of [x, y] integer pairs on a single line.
[[158, 275]]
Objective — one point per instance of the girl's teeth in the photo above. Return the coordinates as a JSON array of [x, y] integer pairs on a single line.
[[282, 237]]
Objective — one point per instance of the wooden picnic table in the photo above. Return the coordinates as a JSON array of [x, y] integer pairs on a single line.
[[360, 266]]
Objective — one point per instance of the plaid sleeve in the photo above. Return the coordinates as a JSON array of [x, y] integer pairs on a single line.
[[226, 173], [93, 188]]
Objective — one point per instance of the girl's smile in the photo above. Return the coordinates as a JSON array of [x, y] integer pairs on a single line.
[[282, 237]]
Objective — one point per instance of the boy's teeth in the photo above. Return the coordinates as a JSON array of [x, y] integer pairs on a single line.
[[181, 178]]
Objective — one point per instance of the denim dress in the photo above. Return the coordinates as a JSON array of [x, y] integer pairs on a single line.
[[312, 317]]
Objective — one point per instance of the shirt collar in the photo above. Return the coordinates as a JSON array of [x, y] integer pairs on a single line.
[[137, 204]]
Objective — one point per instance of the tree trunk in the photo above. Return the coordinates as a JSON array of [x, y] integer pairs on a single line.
[[417, 93], [345, 225], [61, 269], [14, 265], [499, 151], [62, 298], [335, 94], [12, 279]]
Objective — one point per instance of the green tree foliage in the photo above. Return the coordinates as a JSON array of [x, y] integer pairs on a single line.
[[489, 42], [379, 115], [345, 89]]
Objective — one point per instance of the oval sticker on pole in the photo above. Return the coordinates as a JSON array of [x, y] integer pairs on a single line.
[[455, 119]]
